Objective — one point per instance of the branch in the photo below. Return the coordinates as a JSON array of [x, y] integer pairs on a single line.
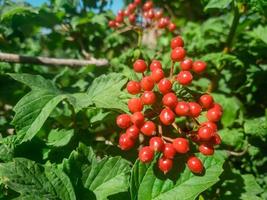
[[15, 58]]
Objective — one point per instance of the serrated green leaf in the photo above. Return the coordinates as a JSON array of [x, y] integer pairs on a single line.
[[146, 185], [28, 178], [232, 137], [260, 33], [220, 4], [59, 138], [79, 101], [107, 177], [105, 91], [256, 127]]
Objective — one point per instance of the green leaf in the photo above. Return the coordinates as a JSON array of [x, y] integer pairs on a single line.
[[80, 101], [232, 137], [146, 184], [107, 177], [105, 91], [252, 188], [219, 4], [59, 138], [260, 33], [16, 10], [256, 127], [32, 180]]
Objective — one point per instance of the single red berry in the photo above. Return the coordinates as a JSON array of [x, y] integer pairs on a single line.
[[145, 14], [140, 66], [186, 64], [146, 154], [125, 142], [131, 7], [155, 64], [121, 13], [112, 24], [199, 66], [119, 18], [165, 86], [184, 77], [132, 19], [170, 100], [218, 107], [181, 145], [158, 14], [195, 109], [148, 98], [137, 1], [171, 27], [123, 121], [127, 12], [216, 139], [147, 83], [169, 151], [214, 114], [149, 128], [132, 132], [150, 14], [177, 42], [195, 165], [205, 133], [156, 144], [148, 5], [135, 105], [178, 54], [133, 87], [165, 165], [182, 109], [211, 125], [206, 101], [206, 149], [157, 75], [167, 116], [163, 22], [138, 119]]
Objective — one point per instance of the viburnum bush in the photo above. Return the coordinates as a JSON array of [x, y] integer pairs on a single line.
[[162, 100]]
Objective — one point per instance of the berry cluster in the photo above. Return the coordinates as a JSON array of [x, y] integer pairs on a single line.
[[155, 107], [142, 15]]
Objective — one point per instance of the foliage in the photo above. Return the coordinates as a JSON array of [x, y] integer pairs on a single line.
[[58, 138]]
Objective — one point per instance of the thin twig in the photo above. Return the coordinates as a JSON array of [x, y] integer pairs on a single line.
[[167, 139], [15, 58], [238, 154]]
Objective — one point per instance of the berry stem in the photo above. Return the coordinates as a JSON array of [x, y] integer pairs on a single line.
[[167, 139], [171, 70], [140, 37], [160, 130], [176, 127], [196, 121]]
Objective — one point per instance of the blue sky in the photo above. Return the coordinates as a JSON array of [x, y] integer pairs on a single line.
[[115, 6]]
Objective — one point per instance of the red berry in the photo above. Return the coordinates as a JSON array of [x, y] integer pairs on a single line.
[[133, 87], [127, 12], [123, 121], [119, 18], [211, 125], [131, 7], [165, 86], [184, 78], [132, 132], [156, 143], [218, 107], [186, 64], [140, 66], [165, 164], [199, 66], [150, 14], [178, 54], [120, 13], [148, 5], [158, 14], [157, 75], [149, 128], [112, 24], [137, 1], [172, 27], [216, 139], [125, 142], [132, 19], [206, 101], [167, 116], [163, 22], [182, 109], [138, 119], [214, 114], [206, 149], [181, 145], [146, 154], [205, 133], [148, 98], [195, 109], [155, 64], [147, 83], [177, 42], [169, 151], [135, 105], [195, 164], [170, 100]]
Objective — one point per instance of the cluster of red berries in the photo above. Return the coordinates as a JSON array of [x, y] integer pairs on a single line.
[[155, 102], [148, 15]]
